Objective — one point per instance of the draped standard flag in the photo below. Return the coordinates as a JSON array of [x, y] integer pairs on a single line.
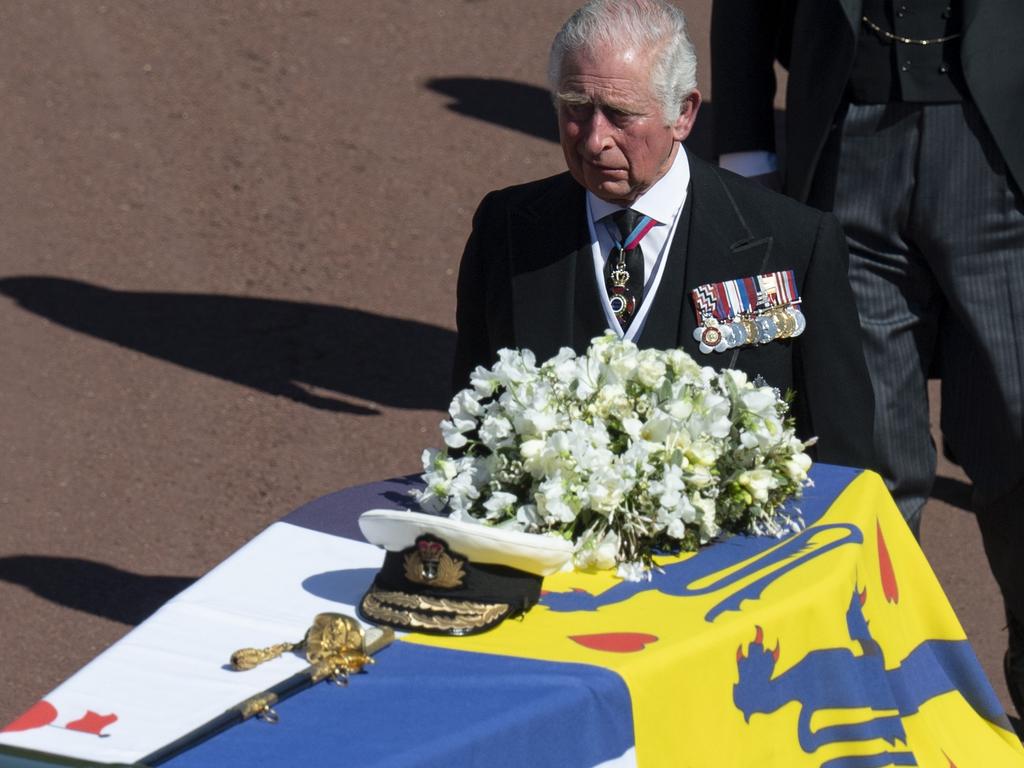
[[834, 647]]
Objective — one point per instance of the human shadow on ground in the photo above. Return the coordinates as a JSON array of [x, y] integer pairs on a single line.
[[92, 587], [519, 106], [314, 354], [528, 109]]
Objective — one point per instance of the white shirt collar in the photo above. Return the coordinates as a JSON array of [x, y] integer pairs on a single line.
[[661, 201]]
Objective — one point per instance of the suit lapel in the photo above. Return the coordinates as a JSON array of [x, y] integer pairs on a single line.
[[548, 243], [588, 315], [722, 247], [970, 11], [853, 10]]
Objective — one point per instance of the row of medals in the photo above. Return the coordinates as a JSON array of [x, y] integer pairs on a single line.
[[780, 322]]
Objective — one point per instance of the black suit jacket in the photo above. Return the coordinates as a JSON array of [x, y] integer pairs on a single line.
[[527, 280], [816, 41]]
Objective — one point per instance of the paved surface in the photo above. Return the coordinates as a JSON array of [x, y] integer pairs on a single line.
[[228, 241]]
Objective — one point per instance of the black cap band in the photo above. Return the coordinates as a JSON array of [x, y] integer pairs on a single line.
[[429, 588]]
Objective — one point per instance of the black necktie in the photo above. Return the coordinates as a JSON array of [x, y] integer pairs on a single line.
[[624, 269]]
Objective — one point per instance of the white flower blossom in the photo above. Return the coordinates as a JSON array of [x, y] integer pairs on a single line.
[[632, 427], [651, 369], [759, 482], [528, 516], [465, 406], [705, 517], [495, 431], [535, 422], [551, 501], [633, 571], [598, 552], [454, 431], [605, 491], [499, 504], [623, 365], [588, 377]]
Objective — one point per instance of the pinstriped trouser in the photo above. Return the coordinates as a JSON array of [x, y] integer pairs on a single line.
[[936, 237]]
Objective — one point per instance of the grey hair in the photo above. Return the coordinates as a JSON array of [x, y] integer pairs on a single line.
[[641, 25]]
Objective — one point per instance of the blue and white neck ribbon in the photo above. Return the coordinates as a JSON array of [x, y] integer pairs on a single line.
[[645, 225]]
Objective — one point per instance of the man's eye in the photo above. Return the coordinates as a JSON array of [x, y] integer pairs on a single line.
[[578, 111], [618, 116]]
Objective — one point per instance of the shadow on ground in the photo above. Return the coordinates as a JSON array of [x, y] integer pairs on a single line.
[[519, 106], [527, 108], [92, 587], [314, 354]]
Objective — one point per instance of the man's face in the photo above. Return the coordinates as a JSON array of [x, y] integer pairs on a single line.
[[612, 127]]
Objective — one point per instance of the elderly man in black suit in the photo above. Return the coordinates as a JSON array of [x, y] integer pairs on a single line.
[[906, 119], [666, 250]]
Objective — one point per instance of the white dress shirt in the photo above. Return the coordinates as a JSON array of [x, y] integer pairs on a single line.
[[662, 202]]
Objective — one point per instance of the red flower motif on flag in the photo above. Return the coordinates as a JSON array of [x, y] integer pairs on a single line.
[[890, 588], [91, 722], [39, 714], [616, 642]]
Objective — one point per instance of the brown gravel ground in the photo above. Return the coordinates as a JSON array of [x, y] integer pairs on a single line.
[[229, 233]]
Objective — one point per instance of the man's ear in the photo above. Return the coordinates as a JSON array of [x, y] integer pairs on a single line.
[[684, 123]]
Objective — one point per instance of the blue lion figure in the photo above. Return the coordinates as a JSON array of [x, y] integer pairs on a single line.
[[839, 678]]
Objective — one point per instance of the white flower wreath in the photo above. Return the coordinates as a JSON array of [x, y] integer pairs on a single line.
[[623, 451]]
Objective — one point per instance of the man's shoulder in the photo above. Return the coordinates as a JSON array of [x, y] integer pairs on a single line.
[[762, 208], [540, 190], [760, 197]]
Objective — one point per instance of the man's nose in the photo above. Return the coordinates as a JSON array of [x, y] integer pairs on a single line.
[[597, 133]]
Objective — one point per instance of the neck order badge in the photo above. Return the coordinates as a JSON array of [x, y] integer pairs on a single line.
[[624, 268]]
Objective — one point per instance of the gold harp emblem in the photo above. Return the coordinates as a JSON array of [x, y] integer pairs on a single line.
[[429, 563]]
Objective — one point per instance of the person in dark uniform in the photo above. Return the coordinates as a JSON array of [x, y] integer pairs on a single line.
[[905, 118], [666, 250]]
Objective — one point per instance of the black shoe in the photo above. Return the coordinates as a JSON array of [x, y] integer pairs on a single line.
[[1014, 684], [1013, 662]]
